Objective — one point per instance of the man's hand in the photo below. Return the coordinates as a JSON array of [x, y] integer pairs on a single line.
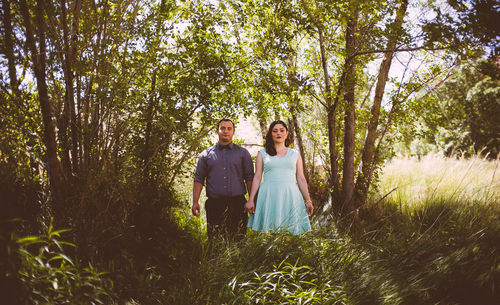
[[250, 207], [196, 209]]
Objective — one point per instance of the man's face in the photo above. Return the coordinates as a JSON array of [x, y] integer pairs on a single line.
[[226, 132]]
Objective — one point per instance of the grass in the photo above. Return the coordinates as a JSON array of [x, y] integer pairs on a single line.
[[436, 240], [434, 177]]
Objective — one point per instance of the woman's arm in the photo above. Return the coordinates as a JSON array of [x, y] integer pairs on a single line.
[[250, 205], [301, 181]]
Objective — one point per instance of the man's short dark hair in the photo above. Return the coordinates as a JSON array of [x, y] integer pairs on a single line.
[[224, 120]]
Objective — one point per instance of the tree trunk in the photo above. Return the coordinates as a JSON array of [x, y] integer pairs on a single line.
[[291, 130], [70, 62], [86, 126], [150, 113], [295, 134], [349, 119], [368, 158], [98, 109], [263, 127], [56, 178], [65, 119], [146, 153], [9, 46], [79, 120], [300, 143], [331, 108], [187, 154], [62, 126], [331, 123]]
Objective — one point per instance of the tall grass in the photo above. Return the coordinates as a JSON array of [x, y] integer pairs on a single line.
[[435, 239], [416, 181], [439, 230]]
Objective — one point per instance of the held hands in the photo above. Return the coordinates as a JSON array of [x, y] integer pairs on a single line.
[[195, 209], [250, 207]]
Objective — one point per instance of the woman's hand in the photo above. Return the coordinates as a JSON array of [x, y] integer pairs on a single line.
[[250, 207], [309, 208]]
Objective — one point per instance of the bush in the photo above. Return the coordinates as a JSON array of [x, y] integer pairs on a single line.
[[52, 277]]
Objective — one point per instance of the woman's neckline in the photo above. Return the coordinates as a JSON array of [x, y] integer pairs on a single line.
[[286, 153]]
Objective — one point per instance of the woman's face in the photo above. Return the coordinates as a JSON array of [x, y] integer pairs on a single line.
[[279, 133]]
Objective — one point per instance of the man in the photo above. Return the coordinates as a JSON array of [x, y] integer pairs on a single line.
[[228, 171]]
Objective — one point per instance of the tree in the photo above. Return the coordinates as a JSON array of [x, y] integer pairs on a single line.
[[127, 96], [344, 96], [468, 101], [462, 26], [38, 58], [368, 161]]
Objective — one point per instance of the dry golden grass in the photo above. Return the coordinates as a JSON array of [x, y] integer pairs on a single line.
[[414, 181]]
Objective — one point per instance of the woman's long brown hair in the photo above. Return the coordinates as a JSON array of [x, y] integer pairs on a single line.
[[269, 143]]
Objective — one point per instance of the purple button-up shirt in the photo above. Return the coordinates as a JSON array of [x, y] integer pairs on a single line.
[[225, 169]]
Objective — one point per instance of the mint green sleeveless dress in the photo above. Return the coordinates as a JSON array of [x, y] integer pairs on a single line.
[[280, 206]]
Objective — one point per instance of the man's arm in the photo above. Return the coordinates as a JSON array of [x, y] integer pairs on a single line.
[[199, 179], [197, 187], [248, 169], [248, 172], [249, 186], [250, 205]]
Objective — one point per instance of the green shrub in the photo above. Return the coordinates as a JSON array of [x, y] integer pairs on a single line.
[[52, 277]]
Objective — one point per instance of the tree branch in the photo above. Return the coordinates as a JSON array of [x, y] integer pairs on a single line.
[[396, 50]]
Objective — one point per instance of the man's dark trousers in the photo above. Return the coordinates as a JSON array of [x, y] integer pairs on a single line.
[[226, 216]]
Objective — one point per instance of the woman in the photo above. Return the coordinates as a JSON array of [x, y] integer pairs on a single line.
[[280, 204]]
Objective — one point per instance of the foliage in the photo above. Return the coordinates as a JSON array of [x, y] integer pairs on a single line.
[[440, 252], [461, 116], [460, 24], [50, 276], [10, 262], [150, 257], [287, 284], [135, 88], [299, 70], [264, 268]]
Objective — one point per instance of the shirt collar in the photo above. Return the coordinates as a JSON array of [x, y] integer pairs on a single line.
[[229, 146]]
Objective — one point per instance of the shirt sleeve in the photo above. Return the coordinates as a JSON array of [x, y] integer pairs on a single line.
[[201, 169], [248, 172]]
